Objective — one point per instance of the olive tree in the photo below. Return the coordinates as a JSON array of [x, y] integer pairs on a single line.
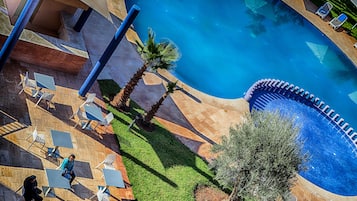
[[260, 157]]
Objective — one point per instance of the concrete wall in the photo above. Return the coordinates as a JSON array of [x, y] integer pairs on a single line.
[[46, 57], [67, 55], [45, 20], [47, 16]]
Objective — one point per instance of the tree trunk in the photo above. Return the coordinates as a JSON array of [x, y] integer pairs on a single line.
[[148, 117], [233, 196], [120, 99]]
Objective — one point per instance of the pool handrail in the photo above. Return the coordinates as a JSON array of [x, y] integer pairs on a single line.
[[296, 93]]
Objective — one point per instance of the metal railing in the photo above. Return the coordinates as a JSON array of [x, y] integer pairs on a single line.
[[284, 89]]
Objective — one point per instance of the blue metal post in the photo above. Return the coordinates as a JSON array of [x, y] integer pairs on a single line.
[[134, 10], [82, 19], [20, 24]]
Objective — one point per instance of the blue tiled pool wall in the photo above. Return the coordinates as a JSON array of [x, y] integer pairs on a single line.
[[333, 163], [266, 90]]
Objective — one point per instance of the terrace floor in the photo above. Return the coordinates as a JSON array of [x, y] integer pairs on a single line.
[[19, 117], [198, 120]]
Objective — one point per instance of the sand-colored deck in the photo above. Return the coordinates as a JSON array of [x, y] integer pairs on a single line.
[[197, 119]]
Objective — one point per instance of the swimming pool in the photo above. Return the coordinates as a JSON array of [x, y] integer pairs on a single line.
[[228, 46], [332, 166]]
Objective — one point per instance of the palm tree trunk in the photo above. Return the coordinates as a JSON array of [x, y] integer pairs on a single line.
[[150, 115], [120, 99]]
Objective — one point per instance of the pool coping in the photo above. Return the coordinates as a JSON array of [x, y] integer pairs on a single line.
[[304, 190]]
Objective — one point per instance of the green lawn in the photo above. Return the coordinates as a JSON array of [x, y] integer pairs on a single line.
[[343, 6], [158, 165]]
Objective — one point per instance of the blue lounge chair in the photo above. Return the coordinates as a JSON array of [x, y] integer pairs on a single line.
[[338, 21], [324, 10]]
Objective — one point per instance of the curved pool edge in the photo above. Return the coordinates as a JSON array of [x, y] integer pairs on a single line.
[[315, 193], [237, 104], [303, 190], [342, 40], [266, 91]]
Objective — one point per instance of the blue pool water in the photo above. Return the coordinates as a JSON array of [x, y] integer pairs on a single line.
[[226, 47], [332, 166]]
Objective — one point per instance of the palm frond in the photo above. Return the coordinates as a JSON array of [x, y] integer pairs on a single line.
[[160, 55]]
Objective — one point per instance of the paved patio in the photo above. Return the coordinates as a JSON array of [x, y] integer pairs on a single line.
[[19, 117]]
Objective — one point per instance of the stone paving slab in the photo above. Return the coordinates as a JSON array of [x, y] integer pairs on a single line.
[[20, 117]]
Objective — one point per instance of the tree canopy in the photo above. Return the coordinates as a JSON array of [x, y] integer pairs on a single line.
[[260, 158], [161, 55]]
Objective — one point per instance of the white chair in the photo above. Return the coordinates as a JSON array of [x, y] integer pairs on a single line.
[[89, 100], [108, 162], [39, 138], [107, 119], [47, 97], [101, 195], [81, 117], [26, 82]]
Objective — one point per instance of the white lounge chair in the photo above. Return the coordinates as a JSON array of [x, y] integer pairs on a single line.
[[338, 21], [355, 45], [324, 10]]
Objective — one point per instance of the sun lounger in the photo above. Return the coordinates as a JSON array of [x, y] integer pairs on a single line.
[[338, 21], [324, 10]]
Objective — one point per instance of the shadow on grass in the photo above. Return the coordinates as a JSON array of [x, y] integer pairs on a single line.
[[148, 168], [169, 149]]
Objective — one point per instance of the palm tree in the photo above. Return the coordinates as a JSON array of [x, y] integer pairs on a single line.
[[170, 88], [156, 56]]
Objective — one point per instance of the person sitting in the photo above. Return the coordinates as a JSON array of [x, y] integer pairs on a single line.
[[67, 167], [31, 190]]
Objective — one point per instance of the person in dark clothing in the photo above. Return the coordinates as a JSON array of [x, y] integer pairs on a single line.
[[31, 190]]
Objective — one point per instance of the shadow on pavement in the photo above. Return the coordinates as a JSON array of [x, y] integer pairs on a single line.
[[13, 155]]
